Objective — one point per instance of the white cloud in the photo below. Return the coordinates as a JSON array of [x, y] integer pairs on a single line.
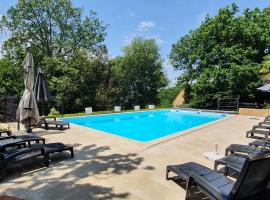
[[146, 26], [129, 13]]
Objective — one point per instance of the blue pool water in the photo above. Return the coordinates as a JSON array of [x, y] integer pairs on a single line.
[[148, 125]]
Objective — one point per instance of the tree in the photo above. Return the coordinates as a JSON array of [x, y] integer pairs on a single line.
[[10, 78], [66, 44], [265, 66], [140, 73], [80, 80], [50, 28], [217, 82], [227, 43]]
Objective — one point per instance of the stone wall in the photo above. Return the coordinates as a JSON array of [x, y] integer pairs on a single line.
[[8, 108], [254, 112], [179, 100]]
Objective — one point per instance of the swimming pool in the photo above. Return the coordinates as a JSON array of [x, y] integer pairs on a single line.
[[145, 126]]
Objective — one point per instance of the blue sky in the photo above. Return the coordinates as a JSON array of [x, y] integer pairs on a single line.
[[165, 21]]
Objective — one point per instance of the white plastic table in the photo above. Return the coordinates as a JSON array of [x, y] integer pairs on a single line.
[[213, 155]]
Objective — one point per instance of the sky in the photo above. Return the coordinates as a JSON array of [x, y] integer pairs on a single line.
[[164, 20]]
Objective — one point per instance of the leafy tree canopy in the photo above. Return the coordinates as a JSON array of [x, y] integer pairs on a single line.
[[140, 72], [224, 47], [10, 78], [50, 28], [66, 44], [82, 81], [265, 66]]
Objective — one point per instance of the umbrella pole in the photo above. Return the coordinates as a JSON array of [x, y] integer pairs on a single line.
[[42, 105], [29, 125]]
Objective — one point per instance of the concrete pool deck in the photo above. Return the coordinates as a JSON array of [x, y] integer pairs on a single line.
[[107, 166]]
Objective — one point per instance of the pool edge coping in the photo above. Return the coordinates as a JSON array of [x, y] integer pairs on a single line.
[[163, 139]]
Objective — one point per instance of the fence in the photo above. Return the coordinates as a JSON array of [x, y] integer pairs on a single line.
[[230, 104], [9, 105], [8, 108]]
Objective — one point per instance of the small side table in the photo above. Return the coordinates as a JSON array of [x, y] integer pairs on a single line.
[[213, 155]]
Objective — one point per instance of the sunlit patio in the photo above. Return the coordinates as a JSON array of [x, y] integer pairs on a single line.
[[111, 167]]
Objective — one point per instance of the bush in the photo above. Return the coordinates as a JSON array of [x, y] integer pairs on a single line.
[[166, 96], [54, 113]]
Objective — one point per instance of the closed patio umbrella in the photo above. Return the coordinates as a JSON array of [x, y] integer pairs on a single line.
[[41, 89], [27, 111]]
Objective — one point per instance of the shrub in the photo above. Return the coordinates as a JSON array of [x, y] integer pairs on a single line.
[[54, 113]]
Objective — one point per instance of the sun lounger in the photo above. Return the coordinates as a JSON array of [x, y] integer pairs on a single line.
[[266, 123], [6, 137], [34, 150], [232, 164], [241, 149], [236, 155], [47, 123], [10, 157], [20, 141], [261, 127], [6, 132], [250, 184], [260, 143], [54, 148], [257, 134], [267, 118]]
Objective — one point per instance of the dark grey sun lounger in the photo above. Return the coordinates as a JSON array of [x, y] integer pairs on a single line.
[[258, 134], [250, 185], [10, 157], [262, 126], [242, 149], [7, 133], [260, 143], [235, 156], [265, 122], [58, 124], [54, 148], [20, 141], [233, 164], [34, 150]]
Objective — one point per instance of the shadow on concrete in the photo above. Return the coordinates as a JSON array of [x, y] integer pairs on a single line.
[[93, 161]]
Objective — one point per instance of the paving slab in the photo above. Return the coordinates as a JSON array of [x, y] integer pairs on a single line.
[[107, 166]]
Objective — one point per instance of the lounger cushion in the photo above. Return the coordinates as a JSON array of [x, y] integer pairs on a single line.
[[4, 127], [208, 179]]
